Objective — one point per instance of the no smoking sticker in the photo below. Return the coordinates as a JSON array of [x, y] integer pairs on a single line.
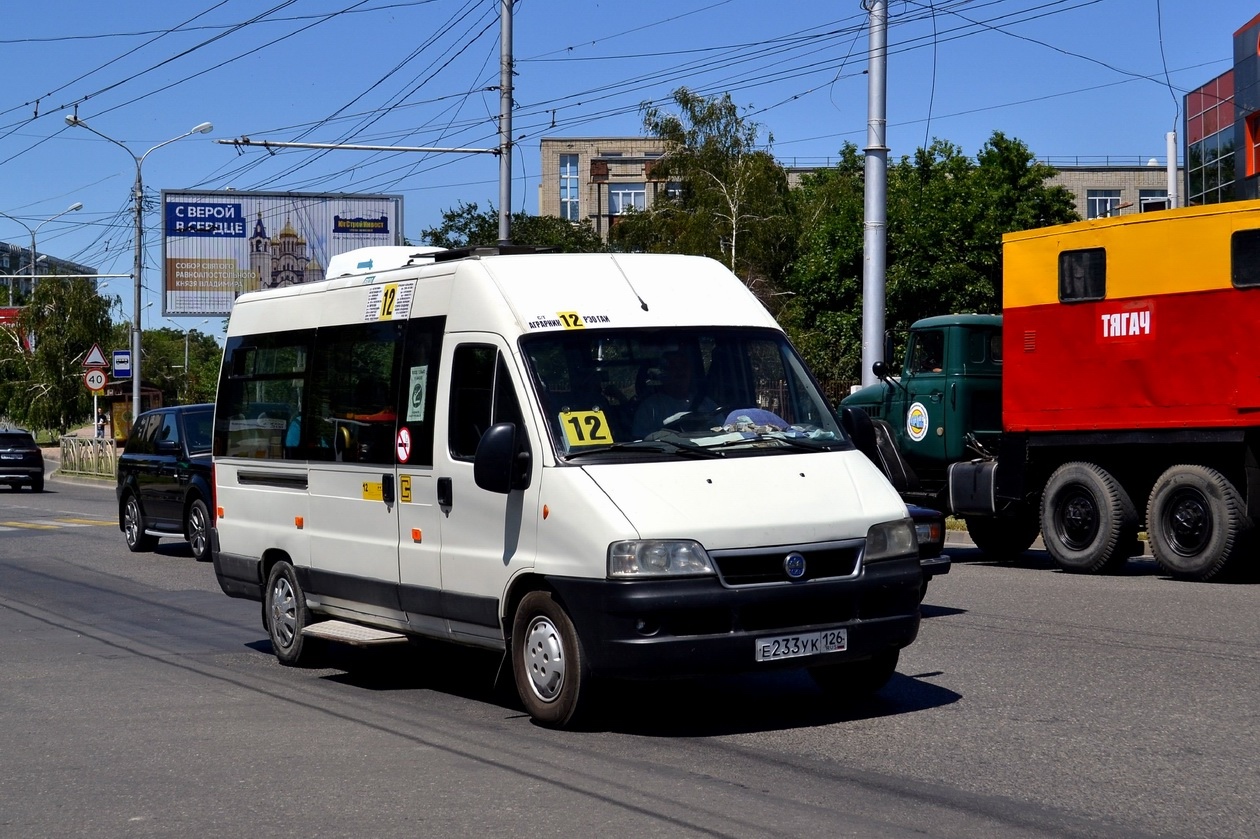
[[404, 444]]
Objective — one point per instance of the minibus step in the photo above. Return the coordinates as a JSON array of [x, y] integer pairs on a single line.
[[352, 633]]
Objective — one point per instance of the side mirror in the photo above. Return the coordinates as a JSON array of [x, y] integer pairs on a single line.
[[857, 423], [499, 465], [880, 369]]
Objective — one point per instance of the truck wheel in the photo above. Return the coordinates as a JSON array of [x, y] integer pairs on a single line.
[[1196, 522], [856, 679], [286, 615], [1088, 521], [550, 669], [1001, 537]]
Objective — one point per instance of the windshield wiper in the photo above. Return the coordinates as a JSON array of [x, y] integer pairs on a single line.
[[803, 443], [640, 446]]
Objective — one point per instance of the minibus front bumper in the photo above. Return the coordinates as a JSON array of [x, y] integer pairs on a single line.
[[698, 625]]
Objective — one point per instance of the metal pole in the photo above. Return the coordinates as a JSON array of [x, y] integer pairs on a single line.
[[875, 224], [1170, 140], [136, 269], [505, 123]]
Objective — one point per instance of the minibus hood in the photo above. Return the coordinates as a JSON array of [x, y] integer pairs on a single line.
[[752, 501]]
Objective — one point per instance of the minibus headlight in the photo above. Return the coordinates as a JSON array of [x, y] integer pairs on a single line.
[[891, 539], [657, 558]]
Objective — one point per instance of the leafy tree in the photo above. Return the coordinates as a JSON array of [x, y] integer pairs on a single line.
[[469, 226], [163, 365], [728, 198], [946, 217], [42, 353]]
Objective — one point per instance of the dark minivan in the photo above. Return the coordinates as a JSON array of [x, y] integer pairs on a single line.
[[164, 479]]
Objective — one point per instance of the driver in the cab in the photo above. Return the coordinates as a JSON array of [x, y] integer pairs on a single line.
[[680, 392]]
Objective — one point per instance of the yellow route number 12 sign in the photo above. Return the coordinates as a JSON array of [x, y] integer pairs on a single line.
[[585, 428]]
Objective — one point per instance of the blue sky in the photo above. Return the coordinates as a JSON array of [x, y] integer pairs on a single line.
[[1087, 79]]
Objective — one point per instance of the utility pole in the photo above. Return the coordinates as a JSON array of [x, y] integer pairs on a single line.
[[875, 213], [505, 123]]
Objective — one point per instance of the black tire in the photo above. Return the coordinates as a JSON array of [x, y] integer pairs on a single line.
[[856, 679], [1088, 522], [197, 526], [552, 675], [284, 607], [1196, 522], [133, 526], [37, 484], [1006, 536]]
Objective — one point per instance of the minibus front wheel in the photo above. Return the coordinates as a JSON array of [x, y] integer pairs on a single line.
[[552, 675]]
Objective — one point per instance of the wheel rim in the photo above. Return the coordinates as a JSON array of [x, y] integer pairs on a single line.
[[283, 612], [197, 528], [131, 522], [1187, 522], [1078, 519], [544, 658]]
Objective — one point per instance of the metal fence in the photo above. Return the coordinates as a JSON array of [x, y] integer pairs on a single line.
[[89, 456]]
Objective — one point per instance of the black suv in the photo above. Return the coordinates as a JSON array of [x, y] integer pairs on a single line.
[[164, 479], [21, 461]]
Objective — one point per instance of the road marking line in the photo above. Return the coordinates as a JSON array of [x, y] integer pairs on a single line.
[[29, 525], [85, 522]]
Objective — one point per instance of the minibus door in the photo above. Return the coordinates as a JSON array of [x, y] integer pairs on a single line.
[[486, 536], [353, 521], [419, 527]]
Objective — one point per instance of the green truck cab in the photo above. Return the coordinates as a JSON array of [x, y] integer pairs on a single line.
[[937, 422]]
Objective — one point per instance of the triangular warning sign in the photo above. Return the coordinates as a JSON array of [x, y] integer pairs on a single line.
[[95, 358]]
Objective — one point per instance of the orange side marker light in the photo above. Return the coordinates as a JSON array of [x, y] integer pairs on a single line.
[[218, 512], [415, 534], [546, 512], [298, 521]]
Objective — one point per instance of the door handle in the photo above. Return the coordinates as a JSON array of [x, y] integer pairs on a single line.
[[387, 489], [444, 493], [953, 395]]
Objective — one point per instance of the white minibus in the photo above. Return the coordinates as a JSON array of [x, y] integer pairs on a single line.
[[604, 465]]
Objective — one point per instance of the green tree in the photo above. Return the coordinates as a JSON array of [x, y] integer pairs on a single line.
[[469, 226], [727, 199], [42, 353], [946, 217], [163, 365]]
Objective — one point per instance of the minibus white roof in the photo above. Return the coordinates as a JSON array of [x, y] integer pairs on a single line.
[[379, 258]]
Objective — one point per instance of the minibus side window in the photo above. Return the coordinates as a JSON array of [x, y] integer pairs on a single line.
[[352, 410], [481, 396], [261, 391], [418, 395]]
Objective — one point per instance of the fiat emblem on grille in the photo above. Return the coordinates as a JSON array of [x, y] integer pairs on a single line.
[[794, 565]]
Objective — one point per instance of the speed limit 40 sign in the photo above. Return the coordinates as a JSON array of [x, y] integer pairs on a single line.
[[95, 379]]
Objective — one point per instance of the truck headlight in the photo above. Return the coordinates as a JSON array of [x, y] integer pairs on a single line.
[[657, 558], [890, 540]]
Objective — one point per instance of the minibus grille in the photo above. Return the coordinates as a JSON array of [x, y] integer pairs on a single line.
[[761, 566]]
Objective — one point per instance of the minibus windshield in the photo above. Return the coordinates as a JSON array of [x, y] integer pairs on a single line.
[[728, 390]]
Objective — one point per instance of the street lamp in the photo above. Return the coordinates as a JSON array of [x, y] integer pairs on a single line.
[[138, 269], [33, 230]]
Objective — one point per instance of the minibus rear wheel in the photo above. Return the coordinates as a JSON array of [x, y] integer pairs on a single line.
[[552, 676], [286, 615]]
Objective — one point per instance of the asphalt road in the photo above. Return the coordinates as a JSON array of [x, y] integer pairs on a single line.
[[138, 700]]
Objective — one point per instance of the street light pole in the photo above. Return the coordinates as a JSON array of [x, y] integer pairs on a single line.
[[33, 230], [138, 267]]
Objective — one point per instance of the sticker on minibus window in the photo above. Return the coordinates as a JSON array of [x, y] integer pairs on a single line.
[[389, 301], [418, 390], [585, 428]]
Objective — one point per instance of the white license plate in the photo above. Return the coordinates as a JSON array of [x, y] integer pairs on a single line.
[[795, 646]]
